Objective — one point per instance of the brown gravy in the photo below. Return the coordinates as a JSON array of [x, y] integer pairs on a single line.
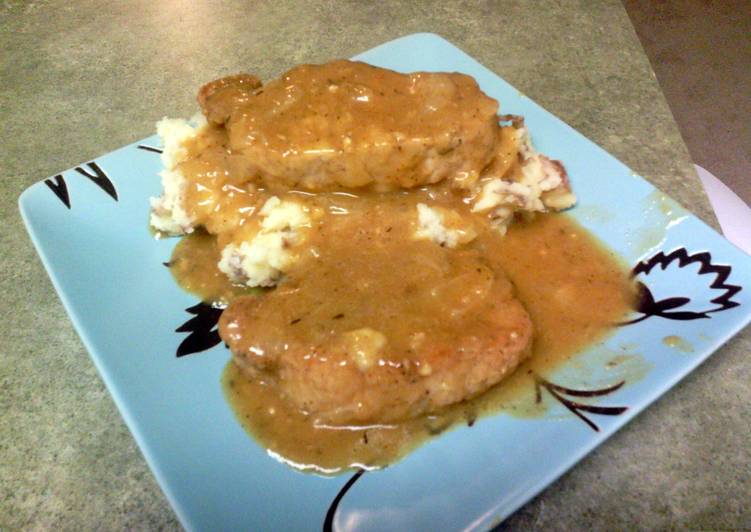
[[572, 287], [381, 313], [193, 264], [350, 124]]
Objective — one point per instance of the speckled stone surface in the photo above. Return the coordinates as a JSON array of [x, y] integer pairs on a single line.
[[82, 78]]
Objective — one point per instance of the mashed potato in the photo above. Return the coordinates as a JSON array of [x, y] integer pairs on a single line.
[[220, 174], [376, 202], [262, 261], [168, 214], [542, 187], [443, 226]]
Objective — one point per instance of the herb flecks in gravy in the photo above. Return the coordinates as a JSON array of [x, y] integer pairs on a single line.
[[572, 287], [375, 204]]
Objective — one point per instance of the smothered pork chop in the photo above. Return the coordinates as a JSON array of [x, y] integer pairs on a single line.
[[379, 326], [371, 205], [346, 124]]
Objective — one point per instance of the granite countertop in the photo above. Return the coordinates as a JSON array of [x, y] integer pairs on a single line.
[[83, 78]]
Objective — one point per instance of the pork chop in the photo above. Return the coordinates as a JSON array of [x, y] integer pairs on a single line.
[[349, 124], [380, 327]]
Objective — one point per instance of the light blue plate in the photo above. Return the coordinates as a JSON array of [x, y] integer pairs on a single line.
[[89, 225]]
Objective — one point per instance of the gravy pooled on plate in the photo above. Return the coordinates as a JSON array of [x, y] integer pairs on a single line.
[[371, 207]]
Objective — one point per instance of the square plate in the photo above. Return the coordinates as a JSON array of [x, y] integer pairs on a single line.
[[89, 225]]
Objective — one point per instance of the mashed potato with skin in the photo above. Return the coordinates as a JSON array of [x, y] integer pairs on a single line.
[[262, 261], [260, 230], [375, 202], [542, 187]]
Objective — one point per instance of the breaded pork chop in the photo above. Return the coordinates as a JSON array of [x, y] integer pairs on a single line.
[[350, 342], [349, 124]]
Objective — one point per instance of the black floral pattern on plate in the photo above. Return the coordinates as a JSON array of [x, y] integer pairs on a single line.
[[328, 522], [204, 333], [564, 396], [60, 188], [153, 149], [717, 298], [93, 173]]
